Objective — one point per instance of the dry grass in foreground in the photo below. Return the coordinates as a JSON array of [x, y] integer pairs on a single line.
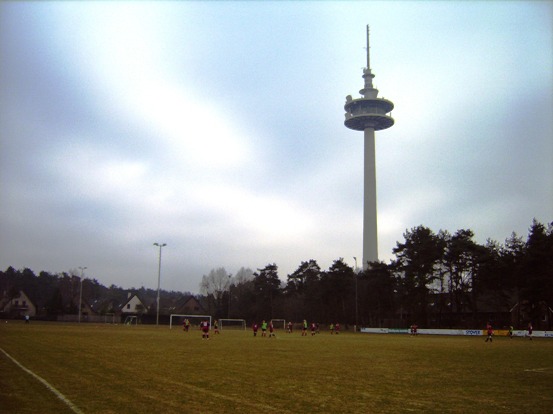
[[144, 369]]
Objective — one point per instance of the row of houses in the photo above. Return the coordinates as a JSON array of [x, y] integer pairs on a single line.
[[19, 305]]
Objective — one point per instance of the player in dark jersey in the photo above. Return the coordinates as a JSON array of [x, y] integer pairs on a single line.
[[204, 326], [489, 331]]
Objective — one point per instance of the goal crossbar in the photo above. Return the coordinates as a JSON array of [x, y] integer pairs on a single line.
[[187, 317], [223, 321]]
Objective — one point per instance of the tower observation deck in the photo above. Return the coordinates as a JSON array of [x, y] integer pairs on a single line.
[[369, 114]]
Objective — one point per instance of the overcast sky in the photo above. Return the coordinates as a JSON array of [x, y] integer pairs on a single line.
[[217, 128]]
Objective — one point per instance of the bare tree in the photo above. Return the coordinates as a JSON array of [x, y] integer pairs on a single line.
[[215, 285], [242, 276]]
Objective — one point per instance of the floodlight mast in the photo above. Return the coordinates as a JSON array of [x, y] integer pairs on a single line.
[[369, 114], [160, 245], [81, 291]]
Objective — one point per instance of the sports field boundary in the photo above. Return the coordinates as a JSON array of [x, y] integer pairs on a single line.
[[58, 394], [457, 332]]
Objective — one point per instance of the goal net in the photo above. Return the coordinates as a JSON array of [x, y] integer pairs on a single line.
[[232, 324], [279, 323], [194, 320]]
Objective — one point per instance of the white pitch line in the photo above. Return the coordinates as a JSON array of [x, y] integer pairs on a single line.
[[58, 394], [538, 369]]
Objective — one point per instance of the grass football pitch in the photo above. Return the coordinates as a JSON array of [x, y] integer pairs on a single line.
[[148, 369]]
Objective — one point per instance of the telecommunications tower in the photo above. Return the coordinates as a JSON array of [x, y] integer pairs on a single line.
[[369, 114]]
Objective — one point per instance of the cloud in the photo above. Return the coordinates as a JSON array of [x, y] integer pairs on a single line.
[[218, 129]]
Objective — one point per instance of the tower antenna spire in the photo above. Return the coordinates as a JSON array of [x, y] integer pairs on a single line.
[[368, 50]]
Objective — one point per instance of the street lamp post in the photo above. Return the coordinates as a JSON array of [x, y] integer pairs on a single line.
[[81, 292], [229, 284], [356, 301], [160, 245]]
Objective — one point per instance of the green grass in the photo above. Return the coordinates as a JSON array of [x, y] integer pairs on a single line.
[[144, 369]]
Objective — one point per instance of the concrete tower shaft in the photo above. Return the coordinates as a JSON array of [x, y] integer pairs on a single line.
[[369, 114]]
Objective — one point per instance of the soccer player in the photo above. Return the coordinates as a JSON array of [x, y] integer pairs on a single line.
[[271, 330], [290, 327], [530, 330], [263, 328], [511, 332], [186, 325], [313, 328], [331, 329], [204, 326], [489, 330], [337, 328], [216, 327], [304, 328], [255, 327]]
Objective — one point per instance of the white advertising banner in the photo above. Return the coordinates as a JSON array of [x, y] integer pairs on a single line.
[[457, 332]]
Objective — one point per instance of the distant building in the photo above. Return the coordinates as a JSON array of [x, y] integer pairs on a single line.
[[17, 306], [133, 306], [188, 305]]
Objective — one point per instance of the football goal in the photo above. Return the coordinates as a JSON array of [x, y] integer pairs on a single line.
[[131, 320], [232, 324], [195, 320], [279, 323], [109, 318]]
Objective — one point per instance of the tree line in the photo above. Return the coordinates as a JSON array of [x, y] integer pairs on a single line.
[[60, 294], [435, 280]]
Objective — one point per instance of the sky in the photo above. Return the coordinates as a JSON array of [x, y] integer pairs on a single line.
[[218, 129]]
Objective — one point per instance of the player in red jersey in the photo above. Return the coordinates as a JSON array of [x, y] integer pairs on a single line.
[[271, 330], [337, 328], [530, 330], [255, 327], [204, 326], [489, 331], [313, 328]]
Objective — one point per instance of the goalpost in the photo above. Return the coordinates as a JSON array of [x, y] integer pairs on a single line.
[[131, 320], [277, 323], [194, 319], [232, 324]]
